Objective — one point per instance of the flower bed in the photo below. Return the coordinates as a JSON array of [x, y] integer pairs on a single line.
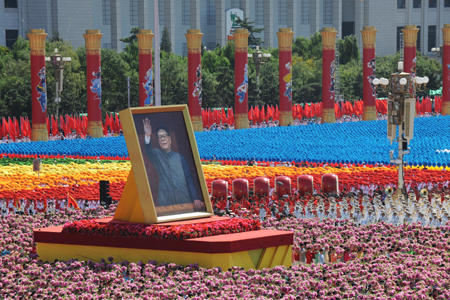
[[400, 275], [183, 232]]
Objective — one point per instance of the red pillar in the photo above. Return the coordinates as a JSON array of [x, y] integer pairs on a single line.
[[38, 85], [194, 44], [446, 71], [241, 78], [369, 35], [145, 45], [285, 75], [94, 82], [410, 50], [328, 72]]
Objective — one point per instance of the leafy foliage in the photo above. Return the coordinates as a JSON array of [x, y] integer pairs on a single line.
[[217, 75], [252, 40], [166, 44]]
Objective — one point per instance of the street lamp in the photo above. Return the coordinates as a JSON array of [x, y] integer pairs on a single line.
[[259, 59], [438, 51], [401, 111], [58, 65]]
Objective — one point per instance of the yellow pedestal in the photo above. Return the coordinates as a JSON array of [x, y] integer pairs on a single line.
[[241, 121], [253, 259], [39, 135], [369, 113], [197, 126], [328, 115], [95, 131]]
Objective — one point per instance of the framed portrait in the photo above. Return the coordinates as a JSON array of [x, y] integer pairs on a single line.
[[165, 164]]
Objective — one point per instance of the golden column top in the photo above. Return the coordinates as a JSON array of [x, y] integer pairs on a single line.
[[410, 35], [285, 36], [240, 37], [369, 36], [328, 38], [145, 39], [37, 39], [194, 40], [446, 34], [93, 39]]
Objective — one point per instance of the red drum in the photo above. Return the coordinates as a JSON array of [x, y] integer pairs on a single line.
[[261, 186], [240, 188], [219, 188], [330, 184], [305, 184], [285, 187]]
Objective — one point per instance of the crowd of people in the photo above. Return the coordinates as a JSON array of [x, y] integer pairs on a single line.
[[305, 121], [360, 208]]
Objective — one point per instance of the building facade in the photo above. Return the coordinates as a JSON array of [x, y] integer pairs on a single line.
[[115, 19]]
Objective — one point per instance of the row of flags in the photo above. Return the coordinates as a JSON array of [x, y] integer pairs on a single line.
[[15, 129], [262, 113], [257, 114]]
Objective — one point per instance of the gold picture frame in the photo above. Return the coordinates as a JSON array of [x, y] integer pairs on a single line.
[[137, 203]]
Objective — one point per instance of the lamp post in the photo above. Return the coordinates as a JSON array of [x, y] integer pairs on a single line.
[[58, 63], [438, 51], [401, 111], [259, 59]]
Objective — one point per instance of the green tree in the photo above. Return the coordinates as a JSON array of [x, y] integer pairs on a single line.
[[308, 47], [132, 38], [166, 44], [246, 24]]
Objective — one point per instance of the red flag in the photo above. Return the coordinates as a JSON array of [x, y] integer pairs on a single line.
[[48, 126], [117, 126], [105, 127], [28, 128], [262, 114], [54, 126], [12, 129], [231, 116], [224, 116], [16, 126], [71, 201], [62, 124], [277, 113]]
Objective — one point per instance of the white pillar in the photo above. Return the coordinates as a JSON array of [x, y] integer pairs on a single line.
[[195, 14], [292, 14], [116, 32], [143, 14], [268, 23], [220, 22]]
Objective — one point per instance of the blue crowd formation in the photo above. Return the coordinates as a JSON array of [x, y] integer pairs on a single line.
[[353, 142]]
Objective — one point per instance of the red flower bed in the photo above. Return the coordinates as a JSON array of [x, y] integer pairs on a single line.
[[142, 231]]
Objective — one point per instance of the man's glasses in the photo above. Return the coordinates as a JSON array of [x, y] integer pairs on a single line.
[[163, 136]]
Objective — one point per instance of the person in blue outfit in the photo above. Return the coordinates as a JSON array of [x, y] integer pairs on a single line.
[[176, 185]]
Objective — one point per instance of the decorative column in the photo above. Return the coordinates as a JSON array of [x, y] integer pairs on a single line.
[[445, 110], [285, 75], [410, 49], [38, 85], [369, 36], [94, 82], [241, 78], [145, 45], [328, 71], [194, 44]]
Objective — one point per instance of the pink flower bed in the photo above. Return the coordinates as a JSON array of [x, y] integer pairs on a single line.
[[418, 267], [183, 232]]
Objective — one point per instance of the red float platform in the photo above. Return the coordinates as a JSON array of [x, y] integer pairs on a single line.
[[253, 249]]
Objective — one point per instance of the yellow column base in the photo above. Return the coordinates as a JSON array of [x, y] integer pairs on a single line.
[[39, 134], [197, 126], [95, 131], [328, 115], [241, 121], [369, 113], [445, 111], [286, 118]]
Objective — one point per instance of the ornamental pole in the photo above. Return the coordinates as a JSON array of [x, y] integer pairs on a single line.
[[328, 72], [446, 71], [241, 78], [38, 85], [94, 82], [194, 44], [369, 36], [410, 49], [145, 45], [285, 36]]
